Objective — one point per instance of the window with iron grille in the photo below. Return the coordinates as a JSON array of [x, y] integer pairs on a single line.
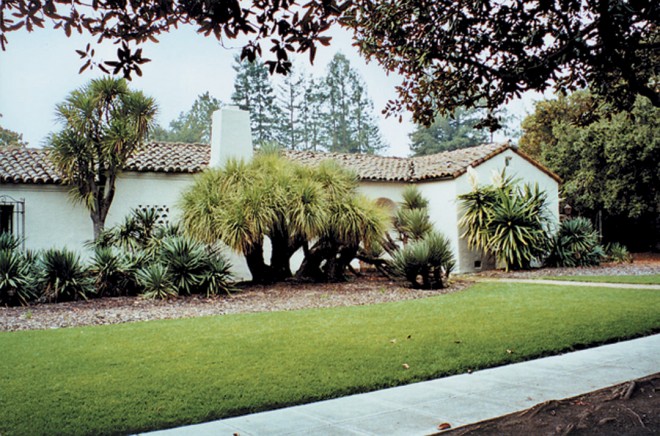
[[12, 216]]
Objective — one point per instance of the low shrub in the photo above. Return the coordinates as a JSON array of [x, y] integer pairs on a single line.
[[215, 277], [62, 276], [9, 241], [617, 253], [575, 244]]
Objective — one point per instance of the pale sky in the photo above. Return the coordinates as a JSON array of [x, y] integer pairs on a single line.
[[39, 69]]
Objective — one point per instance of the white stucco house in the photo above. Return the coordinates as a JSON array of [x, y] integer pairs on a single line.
[[35, 205]]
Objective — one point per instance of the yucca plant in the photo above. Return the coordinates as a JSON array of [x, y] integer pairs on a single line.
[[477, 207], [110, 272], [9, 241], [516, 234], [425, 263], [215, 276], [413, 199], [412, 224], [63, 276], [575, 244], [134, 261], [155, 282], [17, 278], [507, 221], [184, 259]]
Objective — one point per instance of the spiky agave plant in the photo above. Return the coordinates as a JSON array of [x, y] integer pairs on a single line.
[[17, 280], [575, 244], [516, 228], [9, 241], [215, 276], [184, 259], [111, 272], [63, 276], [155, 282]]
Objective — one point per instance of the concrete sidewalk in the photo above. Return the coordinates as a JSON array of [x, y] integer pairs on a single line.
[[417, 409]]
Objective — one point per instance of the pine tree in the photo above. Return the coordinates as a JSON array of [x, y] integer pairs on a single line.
[[348, 118], [253, 92], [290, 100], [448, 133], [367, 137], [312, 116], [193, 126]]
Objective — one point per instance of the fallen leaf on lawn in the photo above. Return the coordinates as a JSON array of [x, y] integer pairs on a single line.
[[444, 426], [405, 366], [509, 351], [393, 341]]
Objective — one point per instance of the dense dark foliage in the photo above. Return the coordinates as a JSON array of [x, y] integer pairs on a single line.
[[608, 159], [470, 53]]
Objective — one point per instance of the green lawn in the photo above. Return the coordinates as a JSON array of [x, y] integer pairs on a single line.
[[141, 376], [651, 279]]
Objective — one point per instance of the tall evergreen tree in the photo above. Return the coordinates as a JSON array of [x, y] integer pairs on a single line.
[[448, 133], [312, 114], [290, 100], [9, 138], [253, 92], [193, 126], [348, 117]]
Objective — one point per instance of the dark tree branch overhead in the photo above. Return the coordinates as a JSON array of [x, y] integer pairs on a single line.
[[286, 26], [455, 53], [451, 53]]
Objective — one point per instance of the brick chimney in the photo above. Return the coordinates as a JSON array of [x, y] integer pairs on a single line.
[[231, 136]]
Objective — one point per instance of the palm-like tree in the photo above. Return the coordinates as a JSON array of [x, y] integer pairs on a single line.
[[104, 123]]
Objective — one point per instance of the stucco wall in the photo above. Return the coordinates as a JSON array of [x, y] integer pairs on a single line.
[[53, 220]]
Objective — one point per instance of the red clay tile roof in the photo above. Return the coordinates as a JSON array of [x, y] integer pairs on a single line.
[[367, 167], [170, 158], [25, 165]]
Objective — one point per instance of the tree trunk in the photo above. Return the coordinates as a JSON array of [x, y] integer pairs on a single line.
[[310, 269], [98, 223], [280, 256], [261, 273]]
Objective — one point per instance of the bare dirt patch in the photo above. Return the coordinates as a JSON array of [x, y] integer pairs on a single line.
[[631, 408]]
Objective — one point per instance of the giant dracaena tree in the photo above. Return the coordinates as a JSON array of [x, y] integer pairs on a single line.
[[104, 124], [295, 207]]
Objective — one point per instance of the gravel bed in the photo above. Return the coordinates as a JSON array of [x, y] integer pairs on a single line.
[[249, 299], [646, 265], [370, 289]]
